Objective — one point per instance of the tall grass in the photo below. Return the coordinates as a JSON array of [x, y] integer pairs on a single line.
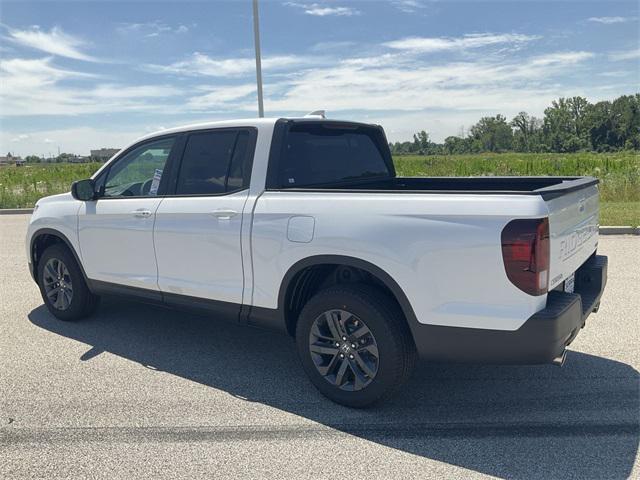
[[24, 186], [619, 173]]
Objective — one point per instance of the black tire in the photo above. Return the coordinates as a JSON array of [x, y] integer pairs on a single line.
[[387, 325], [81, 302]]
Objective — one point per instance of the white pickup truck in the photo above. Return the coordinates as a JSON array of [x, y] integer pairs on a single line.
[[301, 225]]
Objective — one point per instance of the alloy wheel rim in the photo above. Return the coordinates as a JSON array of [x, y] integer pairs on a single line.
[[57, 284], [343, 350]]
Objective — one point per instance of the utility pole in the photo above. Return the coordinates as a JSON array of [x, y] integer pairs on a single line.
[[256, 39]]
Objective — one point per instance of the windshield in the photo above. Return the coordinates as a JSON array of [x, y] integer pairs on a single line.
[[317, 154]]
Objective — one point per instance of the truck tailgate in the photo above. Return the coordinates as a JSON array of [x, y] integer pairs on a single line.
[[573, 229]]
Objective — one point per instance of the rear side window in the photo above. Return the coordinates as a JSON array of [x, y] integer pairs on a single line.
[[316, 154], [215, 162]]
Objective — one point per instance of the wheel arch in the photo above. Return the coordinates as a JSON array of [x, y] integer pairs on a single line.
[[44, 238], [291, 284]]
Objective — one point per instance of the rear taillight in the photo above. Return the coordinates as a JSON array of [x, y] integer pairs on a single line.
[[525, 252]]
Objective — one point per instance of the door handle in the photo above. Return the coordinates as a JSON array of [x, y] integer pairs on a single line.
[[223, 214], [142, 213]]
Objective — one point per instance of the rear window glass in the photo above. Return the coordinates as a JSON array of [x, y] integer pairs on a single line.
[[316, 154]]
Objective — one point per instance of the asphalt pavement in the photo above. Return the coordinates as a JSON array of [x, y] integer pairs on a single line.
[[141, 392]]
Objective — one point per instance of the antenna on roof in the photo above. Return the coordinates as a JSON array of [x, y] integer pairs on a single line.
[[316, 113]]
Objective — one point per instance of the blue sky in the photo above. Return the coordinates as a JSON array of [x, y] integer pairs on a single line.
[[81, 75]]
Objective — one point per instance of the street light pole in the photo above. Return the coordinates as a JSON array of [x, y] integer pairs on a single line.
[[256, 39]]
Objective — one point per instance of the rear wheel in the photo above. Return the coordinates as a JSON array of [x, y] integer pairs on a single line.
[[62, 286], [354, 344]]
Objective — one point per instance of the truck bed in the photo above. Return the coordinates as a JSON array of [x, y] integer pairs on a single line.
[[547, 187]]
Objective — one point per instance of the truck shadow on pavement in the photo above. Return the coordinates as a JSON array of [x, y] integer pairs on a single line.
[[580, 421]]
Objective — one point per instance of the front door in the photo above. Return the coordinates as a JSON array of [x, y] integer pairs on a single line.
[[116, 230], [198, 229]]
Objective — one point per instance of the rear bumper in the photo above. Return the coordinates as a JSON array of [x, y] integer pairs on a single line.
[[543, 337]]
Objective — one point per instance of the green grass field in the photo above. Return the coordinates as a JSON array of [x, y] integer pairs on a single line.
[[619, 174]]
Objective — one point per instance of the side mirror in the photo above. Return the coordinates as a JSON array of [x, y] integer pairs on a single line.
[[83, 190]]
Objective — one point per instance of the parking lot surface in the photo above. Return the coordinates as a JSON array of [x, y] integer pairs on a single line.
[[139, 391]]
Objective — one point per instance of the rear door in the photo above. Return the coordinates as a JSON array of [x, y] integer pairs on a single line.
[[573, 229], [197, 231], [116, 230]]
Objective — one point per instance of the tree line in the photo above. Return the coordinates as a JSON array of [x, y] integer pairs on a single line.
[[569, 125]]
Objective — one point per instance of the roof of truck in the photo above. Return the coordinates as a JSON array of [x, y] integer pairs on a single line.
[[244, 122], [259, 123]]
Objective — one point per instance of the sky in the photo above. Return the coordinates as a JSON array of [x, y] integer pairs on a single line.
[[83, 75]]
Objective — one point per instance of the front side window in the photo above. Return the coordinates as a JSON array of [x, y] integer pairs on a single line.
[[139, 172], [214, 162]]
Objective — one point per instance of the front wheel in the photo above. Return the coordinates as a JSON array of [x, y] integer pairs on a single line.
[[62, 286], [354, 344]]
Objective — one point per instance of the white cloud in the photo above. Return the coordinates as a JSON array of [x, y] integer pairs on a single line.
[[561, 58], [20, 138], [200, 64], [319, 10], [476, 40], [150, 29], [408, 6], [55, 42], [408, 85], [614, 74], [37, 87], [625, 55], [332, 45], [397, 87], [384, 82], [31, 74], [611, 20], [222, 97], [115, 91]]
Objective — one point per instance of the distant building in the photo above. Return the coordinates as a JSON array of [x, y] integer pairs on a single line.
[[11, 159], [103, 154]]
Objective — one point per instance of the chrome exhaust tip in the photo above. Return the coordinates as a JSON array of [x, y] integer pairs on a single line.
[[560, 359]]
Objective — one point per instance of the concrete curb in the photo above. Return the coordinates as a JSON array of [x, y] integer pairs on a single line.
[[15, 211], [605, 230], [619, 230]]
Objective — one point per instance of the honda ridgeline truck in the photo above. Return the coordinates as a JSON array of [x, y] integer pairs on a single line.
[[302, 226]]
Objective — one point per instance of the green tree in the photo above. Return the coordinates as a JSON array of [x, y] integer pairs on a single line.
[[528, 133], [625, 112], [64, 157], [421, 142], [578, 107], [601, 135], [565, 124], [456, 145], [569, 125], [492, 134]]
